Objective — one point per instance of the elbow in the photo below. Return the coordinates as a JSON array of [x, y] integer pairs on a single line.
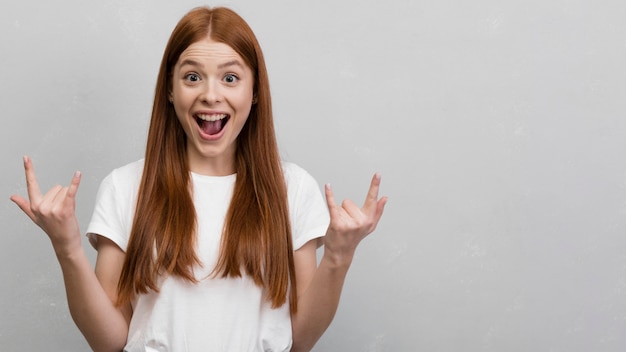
[[106, 343], [110, 348], [299, 348], [303, 342]]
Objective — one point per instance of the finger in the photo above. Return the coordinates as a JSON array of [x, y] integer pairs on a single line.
[[372, 193], [65, 198], [351, 208], [380, 207], [58, 194], [73, 189], [371, 200], [31, 180], [47, 203], [23, 204], [330, 197], [59, 205]]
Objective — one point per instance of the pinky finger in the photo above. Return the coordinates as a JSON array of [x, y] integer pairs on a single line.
[[380, 207], [73, 188]]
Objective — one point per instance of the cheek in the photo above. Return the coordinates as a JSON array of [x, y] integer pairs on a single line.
[[245, 108], [181, 116], [184, 124], [246, 100], [182, 102]]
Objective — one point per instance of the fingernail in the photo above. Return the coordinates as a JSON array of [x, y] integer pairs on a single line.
[[25, 158], [77, 174]]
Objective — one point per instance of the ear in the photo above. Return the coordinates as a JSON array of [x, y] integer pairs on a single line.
[[171, 97], [255, 99]]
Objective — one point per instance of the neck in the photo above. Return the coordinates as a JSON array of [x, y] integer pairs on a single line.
[[215, 166]]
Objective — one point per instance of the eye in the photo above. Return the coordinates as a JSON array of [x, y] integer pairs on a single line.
[[231, 78], [192, 77]]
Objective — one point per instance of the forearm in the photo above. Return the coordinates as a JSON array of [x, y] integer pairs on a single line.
[[104, 326], [318, 304]]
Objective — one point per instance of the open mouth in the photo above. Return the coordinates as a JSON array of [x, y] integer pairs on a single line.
[[212, 124]]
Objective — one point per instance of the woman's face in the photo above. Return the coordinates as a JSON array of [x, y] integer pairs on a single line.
[[212, 92]]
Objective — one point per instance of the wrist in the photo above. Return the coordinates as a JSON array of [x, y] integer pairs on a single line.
[[338, 259], [67, 251]]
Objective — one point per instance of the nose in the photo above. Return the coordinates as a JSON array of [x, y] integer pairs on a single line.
[[211, 92]]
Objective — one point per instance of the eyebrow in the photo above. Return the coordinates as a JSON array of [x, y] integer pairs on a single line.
[[220, 66], [190, 62], [231, 63]]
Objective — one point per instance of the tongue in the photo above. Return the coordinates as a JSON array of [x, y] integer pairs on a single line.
[[212, 127]]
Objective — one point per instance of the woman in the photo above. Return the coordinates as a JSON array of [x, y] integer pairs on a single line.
[[209, 243]]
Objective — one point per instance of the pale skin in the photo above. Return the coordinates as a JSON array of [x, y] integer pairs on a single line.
[[318, 296], [91, 293]]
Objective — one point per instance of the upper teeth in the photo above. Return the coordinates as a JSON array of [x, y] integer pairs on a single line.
[[211, 117]]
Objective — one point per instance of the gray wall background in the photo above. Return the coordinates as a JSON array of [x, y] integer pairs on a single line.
[[498, 126]]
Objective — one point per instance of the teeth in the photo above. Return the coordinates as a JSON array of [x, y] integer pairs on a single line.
[[212, 117]]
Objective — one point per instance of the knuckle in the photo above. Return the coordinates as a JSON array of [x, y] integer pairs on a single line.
[[339, 227], [35, 208]]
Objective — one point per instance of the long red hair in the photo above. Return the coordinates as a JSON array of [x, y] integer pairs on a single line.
[[256, 239]]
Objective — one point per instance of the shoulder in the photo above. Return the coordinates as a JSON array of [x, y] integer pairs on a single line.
[[123, 182], [115, 203], [125, 177], [307, 208], [294, 174], [301, 185], [129, 171]]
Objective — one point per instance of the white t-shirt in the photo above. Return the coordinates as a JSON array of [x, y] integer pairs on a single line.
[[214, 314]]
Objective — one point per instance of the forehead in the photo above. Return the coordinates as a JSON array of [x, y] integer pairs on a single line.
[[209, 51]]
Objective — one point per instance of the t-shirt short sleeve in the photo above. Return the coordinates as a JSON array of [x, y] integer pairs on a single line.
[[115, 204], [307, 207], [117, 196]]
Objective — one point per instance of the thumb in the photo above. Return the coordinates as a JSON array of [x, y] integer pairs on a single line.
[[23, 204]]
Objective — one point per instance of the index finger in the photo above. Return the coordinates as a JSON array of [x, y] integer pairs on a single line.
[[330, 197], [31, 180]]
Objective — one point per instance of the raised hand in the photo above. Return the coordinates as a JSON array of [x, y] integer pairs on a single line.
[[349, 224], [54, 211]]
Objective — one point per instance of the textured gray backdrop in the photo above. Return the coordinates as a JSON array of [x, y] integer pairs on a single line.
[[498, 126]]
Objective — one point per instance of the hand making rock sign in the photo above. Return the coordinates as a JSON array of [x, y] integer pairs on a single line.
[[349, 224], [54, 211]]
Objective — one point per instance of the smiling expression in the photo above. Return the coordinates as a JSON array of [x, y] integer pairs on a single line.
[[212, 93]]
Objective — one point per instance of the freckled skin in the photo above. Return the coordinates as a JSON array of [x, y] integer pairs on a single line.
[[211, 78]]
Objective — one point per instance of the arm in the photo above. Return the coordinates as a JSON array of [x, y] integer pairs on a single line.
[[319, 288], [90, 296], [104, 325]]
